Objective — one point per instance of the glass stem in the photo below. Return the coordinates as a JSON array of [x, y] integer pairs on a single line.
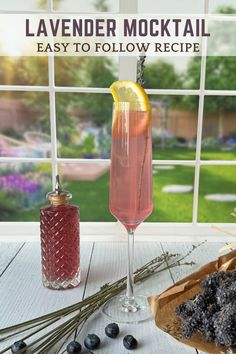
[[130, 271]]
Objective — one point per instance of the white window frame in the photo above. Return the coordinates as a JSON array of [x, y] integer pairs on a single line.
[[16, 231]]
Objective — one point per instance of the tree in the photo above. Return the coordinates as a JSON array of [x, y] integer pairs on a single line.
[[70, 71], [43, 3], [226, 10], [6, 70], [218, 77], [97, 72], [162, 75], [101, 5], [86, 72]]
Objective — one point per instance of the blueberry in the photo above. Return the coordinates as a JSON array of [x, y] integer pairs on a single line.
[[92, 341], [73, 347], [112, 330], [130, 342], [17, 346]]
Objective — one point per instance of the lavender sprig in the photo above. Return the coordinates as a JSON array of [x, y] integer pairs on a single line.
[[140, 69]]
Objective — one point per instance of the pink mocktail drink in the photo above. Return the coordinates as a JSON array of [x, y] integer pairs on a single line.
[[130, 185], [131, 166]]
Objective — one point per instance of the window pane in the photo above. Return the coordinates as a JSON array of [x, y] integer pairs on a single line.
[[170, 6], [219, 128], [84, 125], [24, 124], [26, 5], [219, 73], [174, 127], [87, 6], [217, 194], [24, 71], [23, 187], [172, 73], [89, 185], [222, 6], [86, 71], [173, 193]]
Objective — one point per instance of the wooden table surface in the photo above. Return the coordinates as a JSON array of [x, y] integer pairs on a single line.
[[23, 297]]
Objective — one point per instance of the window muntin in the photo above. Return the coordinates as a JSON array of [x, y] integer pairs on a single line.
[[196, 90]]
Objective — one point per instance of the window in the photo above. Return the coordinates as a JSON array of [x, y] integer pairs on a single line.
[[55, 116]]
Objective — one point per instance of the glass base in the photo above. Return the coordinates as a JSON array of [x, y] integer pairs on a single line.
[[62, 284], [125, 310]]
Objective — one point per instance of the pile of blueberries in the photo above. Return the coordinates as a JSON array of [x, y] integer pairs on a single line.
[[91, 342], [213, 311]]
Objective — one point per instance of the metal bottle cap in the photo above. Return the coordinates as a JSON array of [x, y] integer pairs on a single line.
[[59, 195]]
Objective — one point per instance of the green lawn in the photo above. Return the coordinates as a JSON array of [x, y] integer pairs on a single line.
[[92, 197], [189, 154]]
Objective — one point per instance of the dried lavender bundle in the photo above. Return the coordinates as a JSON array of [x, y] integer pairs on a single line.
[[213, 311]]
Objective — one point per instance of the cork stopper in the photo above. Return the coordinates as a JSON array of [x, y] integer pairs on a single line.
[[59, 196]]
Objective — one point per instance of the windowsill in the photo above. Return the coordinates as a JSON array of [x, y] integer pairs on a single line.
[[112, 231]]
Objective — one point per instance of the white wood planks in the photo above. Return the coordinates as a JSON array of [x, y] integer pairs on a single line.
[[207, 252], [23, 296], [109, 263], [7, 253]]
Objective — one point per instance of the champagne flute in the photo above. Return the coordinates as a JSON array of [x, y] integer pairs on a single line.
[[130, 195]]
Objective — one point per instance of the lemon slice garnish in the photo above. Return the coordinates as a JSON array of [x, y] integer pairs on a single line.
[[129, 91]]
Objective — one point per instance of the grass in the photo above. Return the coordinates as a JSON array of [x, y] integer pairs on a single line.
[[93, 197], [189, 154]]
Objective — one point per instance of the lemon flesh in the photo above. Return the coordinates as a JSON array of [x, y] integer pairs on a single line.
[[135, 95], [129, 91]]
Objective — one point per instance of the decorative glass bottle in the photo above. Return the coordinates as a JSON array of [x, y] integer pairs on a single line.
[[60, 241]]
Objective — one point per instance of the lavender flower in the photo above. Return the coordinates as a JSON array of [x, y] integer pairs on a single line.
[[19, 183]]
